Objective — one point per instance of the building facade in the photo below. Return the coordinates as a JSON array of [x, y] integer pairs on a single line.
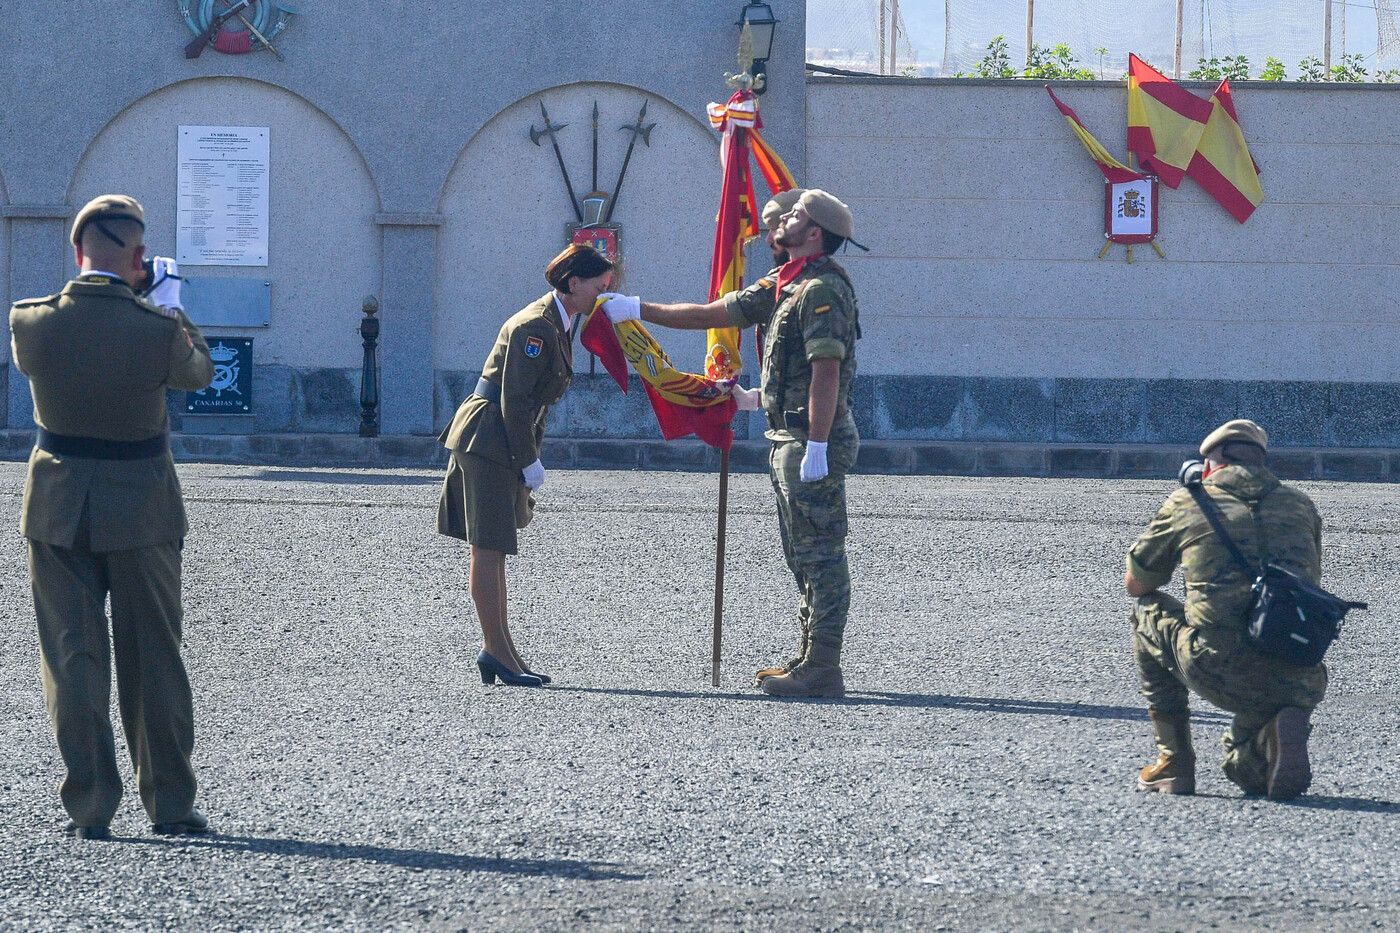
[[402, 165]]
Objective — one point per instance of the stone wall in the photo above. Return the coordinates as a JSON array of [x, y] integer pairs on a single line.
[[401, 166], [987, 315]]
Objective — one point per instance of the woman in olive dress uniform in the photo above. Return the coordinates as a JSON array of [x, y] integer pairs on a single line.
[[495, 439]]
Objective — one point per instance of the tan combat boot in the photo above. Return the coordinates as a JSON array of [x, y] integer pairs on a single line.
[[819, 675], [1174, 771], [801, 654], [1284, 744]]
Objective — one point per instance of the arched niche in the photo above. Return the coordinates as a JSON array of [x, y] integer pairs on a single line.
[[505, 209], [323, 245]]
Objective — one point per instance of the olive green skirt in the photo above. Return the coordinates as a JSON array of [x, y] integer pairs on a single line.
[[483, 503]]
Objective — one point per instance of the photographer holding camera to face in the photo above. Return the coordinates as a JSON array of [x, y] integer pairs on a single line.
[[104, 518], [1230, 526]]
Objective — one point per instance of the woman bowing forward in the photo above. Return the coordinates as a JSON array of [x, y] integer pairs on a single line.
[[495, 439]]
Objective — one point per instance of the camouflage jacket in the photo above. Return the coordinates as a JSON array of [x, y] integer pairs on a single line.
[[1267, 520], [814, 317]]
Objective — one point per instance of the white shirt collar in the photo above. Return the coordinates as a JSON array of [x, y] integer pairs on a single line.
[[110, 275], [563, 315]]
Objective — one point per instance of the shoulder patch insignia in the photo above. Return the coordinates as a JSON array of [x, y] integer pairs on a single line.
[[765, 282], [533, 347], [821, 309], [145, 305]]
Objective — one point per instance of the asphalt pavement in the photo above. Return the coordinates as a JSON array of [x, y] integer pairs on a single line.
[[979, 775]]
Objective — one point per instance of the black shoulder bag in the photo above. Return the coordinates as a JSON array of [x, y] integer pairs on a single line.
[[1290, 617]]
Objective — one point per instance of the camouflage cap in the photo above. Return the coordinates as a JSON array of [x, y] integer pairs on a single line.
[[114, 206], [1240, 431], [828, 212], [780, 204]]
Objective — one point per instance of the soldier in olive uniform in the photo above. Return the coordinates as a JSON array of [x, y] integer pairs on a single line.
[[495, 440], [1202, 645], [103, 516], [808, 309]]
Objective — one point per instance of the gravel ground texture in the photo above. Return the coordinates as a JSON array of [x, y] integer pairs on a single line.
[[978, 776]]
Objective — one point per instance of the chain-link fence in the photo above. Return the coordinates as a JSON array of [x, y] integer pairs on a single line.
[[1288, 39], [861, 35]]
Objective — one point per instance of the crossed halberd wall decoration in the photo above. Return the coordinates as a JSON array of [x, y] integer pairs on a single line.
[[593, 212]]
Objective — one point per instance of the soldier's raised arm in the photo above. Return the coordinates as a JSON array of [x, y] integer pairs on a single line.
[[191, 368]]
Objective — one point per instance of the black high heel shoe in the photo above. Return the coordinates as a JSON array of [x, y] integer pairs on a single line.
[[544, 678], [491, 669]]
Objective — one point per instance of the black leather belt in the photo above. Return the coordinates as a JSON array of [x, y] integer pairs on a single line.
[[96, 448], [488, 390]]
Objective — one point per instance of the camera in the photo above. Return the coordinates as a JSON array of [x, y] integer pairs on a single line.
[[148, 276], [1191, 472]]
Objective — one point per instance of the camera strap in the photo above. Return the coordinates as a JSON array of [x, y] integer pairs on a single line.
[[1212, 514]]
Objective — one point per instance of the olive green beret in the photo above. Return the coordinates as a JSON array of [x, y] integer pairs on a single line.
[[827, 212], [780, 204], [1239, 431], [113, 206]]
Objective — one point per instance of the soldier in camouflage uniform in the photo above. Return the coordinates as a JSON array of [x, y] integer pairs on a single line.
[[1202, 645], [808, 310]]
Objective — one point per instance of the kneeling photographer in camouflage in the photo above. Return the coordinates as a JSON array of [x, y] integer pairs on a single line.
[[1205, 644]]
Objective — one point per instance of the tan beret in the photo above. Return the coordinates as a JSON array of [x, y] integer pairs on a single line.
[[780, 204], [827, 212], [115, 206], [1241, 430]]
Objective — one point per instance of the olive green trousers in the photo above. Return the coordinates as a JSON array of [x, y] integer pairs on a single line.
[[71, 586]]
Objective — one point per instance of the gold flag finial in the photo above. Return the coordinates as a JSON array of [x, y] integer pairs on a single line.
[[745, 79], [746, 49]]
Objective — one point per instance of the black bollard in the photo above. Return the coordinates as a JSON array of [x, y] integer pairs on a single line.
[[369, 373]]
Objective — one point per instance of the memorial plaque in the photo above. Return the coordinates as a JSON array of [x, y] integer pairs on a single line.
[[222, 205], [231, 392], [212, 302]]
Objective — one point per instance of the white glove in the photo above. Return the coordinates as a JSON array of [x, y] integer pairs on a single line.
[[533, 475], [814, 462], [621, 308], [746, 399], [165, 279]]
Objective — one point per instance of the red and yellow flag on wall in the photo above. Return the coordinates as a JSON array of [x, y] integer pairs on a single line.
[[1112, 169], [1222, 164], [1175, 134], [1165, 122]]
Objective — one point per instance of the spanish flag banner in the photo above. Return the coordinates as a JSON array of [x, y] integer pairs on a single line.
[[774, 170], [737, 222], [1165, 122], [1112, 169], [686, 403], [1222, 164]]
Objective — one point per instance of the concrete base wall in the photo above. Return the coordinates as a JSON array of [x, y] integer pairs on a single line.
[[952, 458]]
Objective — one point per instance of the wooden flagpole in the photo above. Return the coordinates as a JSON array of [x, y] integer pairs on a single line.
[[719, 566]]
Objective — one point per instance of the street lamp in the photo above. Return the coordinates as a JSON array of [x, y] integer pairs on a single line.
[[757, 21]]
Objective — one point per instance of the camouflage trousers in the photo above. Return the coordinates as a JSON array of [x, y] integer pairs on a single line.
[[1175, 658], [812, 523]]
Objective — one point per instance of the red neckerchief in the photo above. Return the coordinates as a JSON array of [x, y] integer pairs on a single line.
[[792, 269]]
